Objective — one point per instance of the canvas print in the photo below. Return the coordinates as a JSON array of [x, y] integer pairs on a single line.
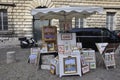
[[70, 65]]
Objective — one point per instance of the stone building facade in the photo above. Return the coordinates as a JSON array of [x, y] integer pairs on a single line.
[[18, 20]]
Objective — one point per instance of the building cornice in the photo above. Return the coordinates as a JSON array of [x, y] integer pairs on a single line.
[[7, 4]]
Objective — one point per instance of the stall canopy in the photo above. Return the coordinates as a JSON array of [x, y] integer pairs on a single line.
[[65, 12]]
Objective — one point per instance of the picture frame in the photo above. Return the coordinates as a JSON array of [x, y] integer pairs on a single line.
[[85, 69], [70, 65], [52, 69], [51, 46], [65, 67], [61, 49], [92, 65], [66, 36], [34, 50]]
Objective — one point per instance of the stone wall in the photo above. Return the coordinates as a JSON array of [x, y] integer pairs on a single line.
[[20, 19]]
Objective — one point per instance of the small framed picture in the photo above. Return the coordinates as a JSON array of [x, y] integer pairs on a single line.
[[92, 65], [85, 69], [52, 69], [66, 36], [51, 46], [70, 65], [60, 48]]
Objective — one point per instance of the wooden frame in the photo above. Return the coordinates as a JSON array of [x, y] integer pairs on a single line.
[[51, 46], [52, 69], [66, 36], [70, 65]]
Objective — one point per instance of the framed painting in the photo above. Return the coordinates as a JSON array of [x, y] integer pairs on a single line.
[[51, 47], [52, 69], [70, 65]]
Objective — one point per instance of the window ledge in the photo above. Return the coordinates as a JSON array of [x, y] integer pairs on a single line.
[[6, 32]]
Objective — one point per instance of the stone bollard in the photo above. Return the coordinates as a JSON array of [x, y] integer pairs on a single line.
[[11, 57]]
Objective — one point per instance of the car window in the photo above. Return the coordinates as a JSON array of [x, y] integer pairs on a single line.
[[96, 33], [89, 33], [105, 33]]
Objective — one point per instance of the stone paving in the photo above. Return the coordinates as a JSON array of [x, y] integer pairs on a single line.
[[22, 70]]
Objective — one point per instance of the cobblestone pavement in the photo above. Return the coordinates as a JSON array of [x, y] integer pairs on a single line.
[[22, 70]]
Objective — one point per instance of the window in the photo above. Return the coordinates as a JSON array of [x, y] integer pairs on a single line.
[[79, 22], [3, 19], [110, 20], [65, 24]]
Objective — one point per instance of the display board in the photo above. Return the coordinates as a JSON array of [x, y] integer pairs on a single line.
[[66, 42], [69, 64], [89, 57], [109, 55]]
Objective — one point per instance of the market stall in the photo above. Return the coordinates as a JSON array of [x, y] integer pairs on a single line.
[[71, 59]]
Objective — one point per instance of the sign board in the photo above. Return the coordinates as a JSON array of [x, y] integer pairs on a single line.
[[101, 47], [90, 58]]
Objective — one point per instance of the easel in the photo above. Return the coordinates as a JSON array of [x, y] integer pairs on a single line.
[[108, 54]]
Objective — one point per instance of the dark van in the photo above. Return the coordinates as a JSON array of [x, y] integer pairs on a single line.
[[89, 36]]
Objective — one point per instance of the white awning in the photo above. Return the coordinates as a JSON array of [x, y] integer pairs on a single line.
[[65, 12]]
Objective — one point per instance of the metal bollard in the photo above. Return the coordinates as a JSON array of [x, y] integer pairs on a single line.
[[11, 57]]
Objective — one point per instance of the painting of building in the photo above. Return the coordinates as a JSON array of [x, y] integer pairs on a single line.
[[16, 19]]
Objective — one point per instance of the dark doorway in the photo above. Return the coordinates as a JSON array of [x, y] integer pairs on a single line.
[[37, 26]]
